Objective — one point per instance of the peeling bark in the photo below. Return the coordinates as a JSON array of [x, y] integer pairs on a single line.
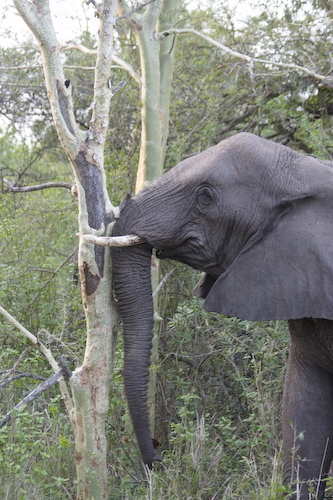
[[91, 281], [90, 179]]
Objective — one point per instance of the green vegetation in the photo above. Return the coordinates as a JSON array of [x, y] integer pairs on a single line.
[[220, 379]]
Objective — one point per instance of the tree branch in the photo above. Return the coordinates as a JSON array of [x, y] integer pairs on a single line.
[[127, 67], [20, 375], [73, 45], [20, 68], [37, 187], [81, 68], [251, 60], [48, 355], [39, 66], [125, 13], [114, 241], [35, 393], [166, 277], [130, 12], [123, 64]]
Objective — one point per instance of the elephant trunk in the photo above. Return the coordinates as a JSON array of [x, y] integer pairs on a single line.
[[132, 284]]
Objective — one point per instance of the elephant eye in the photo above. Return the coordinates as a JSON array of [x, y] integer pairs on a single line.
[[204, 197]]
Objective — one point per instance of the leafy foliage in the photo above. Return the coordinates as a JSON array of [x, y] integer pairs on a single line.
[[39, 463]]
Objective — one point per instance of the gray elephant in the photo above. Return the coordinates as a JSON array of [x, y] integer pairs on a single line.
[[257, 218]]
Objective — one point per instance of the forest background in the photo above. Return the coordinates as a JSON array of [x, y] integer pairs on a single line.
[[219, 380]]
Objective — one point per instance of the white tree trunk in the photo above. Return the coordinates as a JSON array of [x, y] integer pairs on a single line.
[[90, 383]]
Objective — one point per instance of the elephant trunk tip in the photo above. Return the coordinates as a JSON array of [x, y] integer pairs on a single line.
[[153, 457]]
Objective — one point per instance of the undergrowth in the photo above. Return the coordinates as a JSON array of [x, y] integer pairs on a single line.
[[218, 423]]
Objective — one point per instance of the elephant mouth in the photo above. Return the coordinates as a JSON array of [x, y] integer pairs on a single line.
[[180, 256], [169, 253], [193, 256], [162, 254], [189, 250]]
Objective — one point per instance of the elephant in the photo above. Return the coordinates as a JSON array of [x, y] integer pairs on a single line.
[[256, 217]]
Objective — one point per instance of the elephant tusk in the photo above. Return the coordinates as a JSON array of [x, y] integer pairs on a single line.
[[114, 241]]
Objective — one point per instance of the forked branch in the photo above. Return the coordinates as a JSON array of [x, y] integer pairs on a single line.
[[47, 353], [46, 384], [120, 62]]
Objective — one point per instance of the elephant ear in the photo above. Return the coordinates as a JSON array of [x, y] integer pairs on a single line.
[[288, 273]]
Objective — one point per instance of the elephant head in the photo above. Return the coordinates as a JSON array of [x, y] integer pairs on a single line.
[[255, 217]]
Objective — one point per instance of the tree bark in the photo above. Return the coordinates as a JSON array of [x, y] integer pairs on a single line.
[[91, 382]]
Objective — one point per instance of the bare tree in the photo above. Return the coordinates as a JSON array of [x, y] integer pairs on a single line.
[[90, 384]]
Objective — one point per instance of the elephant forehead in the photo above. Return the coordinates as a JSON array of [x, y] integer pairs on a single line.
[[235, 160], [216, 168]]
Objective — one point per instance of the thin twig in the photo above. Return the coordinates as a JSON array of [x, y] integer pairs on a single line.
[[134, 10], [60, 343], [49, 280], [158, 288], [13, 369]]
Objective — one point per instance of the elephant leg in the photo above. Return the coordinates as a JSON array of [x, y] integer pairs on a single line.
[[307, 412]]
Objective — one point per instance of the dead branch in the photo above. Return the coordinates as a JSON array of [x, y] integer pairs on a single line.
[[47, 353], [121, 64], [50, 279], [250, 60], [59, 342], [46, 384], [166, 277], [37, 187], [13, 369], [114, 241], [20, 375]]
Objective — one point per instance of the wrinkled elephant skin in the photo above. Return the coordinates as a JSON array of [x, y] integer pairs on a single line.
[[257, 218]]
